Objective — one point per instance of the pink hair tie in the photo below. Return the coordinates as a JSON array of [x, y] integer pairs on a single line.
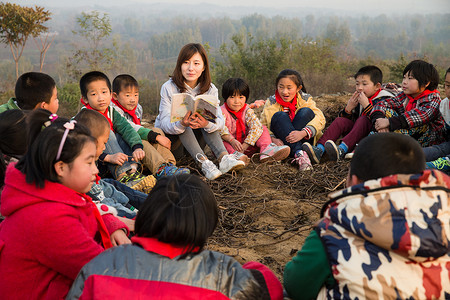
[[69, 126], [52, 118]]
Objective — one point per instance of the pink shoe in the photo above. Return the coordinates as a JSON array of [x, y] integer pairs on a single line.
[[302, 159], [275, 152]]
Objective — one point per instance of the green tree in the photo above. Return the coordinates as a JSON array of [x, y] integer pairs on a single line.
[[94, 29], [17, 24]]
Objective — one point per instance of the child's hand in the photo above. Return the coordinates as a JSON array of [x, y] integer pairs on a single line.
[[197, 121], [128, 222], [295, 136], [236, 145], [257, 103], [116, 158], [363, 100], [382, 125], [164, 141], [352, 102], [186, 119], [276, 141], [119, 237], [138, 154]]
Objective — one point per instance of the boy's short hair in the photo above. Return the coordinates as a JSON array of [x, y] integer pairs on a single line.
[[33, 88], [235, 86], [375, 74], [180, 210], [90, 77], [423, 72], [383, 154], [123, 81], [95, 121], [446, 72]]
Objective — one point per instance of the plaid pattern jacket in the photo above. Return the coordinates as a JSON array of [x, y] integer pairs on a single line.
[[426, 112]]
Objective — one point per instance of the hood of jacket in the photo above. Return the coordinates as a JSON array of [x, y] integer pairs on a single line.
[[17, 193]]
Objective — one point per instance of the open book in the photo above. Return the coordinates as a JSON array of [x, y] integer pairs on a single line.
[[205, 105]]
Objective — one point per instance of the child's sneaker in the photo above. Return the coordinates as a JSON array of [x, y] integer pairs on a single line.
[[441, 164], [241, 156], [334, 152], [229, 163], [314, 153], [302, 159], [139, 182], [209, 169], [170, 170], [274, 152]]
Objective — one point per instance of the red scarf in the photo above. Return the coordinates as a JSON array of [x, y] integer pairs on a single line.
[[153, 245], [291, 105], [374, 95], [103, 113], [412, 101], [240, 124], [132, 112], [104, 234]]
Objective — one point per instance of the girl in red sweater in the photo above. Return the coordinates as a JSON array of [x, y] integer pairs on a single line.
[[51, 228]]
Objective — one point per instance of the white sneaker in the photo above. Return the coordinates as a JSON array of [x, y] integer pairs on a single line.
[[229, 163], [209, 169], [277, 153], [241, 156]]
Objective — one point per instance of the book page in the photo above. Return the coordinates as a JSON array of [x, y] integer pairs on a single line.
[[206, 105], [181, 104]]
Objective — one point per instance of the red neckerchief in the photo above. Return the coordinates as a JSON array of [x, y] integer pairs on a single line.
[[103, 113], [412, 101], [374, 95], [291, 105], [164, 249], [104, 234], [132, 113], [240, 124]]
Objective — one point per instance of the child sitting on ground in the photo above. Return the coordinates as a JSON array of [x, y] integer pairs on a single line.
[[353, 122], [243, 132], [293, 117], [103, 190], [51, 228], [158, 158], [172, 228], [33, 90], [123, 140], [438, 156], [415, 111], [385, 236]]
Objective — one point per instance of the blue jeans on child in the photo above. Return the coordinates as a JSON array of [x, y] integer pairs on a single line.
[[281, 125], [436, 151], [135, 198], [114, 145]]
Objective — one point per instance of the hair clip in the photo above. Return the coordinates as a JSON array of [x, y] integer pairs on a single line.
[[52, 118], [69, 126]]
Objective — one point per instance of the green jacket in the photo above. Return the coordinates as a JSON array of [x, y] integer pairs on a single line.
[[11, 104]]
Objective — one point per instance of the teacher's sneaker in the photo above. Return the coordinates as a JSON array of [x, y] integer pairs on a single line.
[[277, 153], [229, 163], [209, 169]]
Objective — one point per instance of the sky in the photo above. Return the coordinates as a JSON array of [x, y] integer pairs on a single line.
[[368, 6]]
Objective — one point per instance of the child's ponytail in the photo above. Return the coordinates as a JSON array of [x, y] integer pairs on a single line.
[[45, 136]]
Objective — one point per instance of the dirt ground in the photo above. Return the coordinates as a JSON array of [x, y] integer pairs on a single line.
[[267, 210]]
